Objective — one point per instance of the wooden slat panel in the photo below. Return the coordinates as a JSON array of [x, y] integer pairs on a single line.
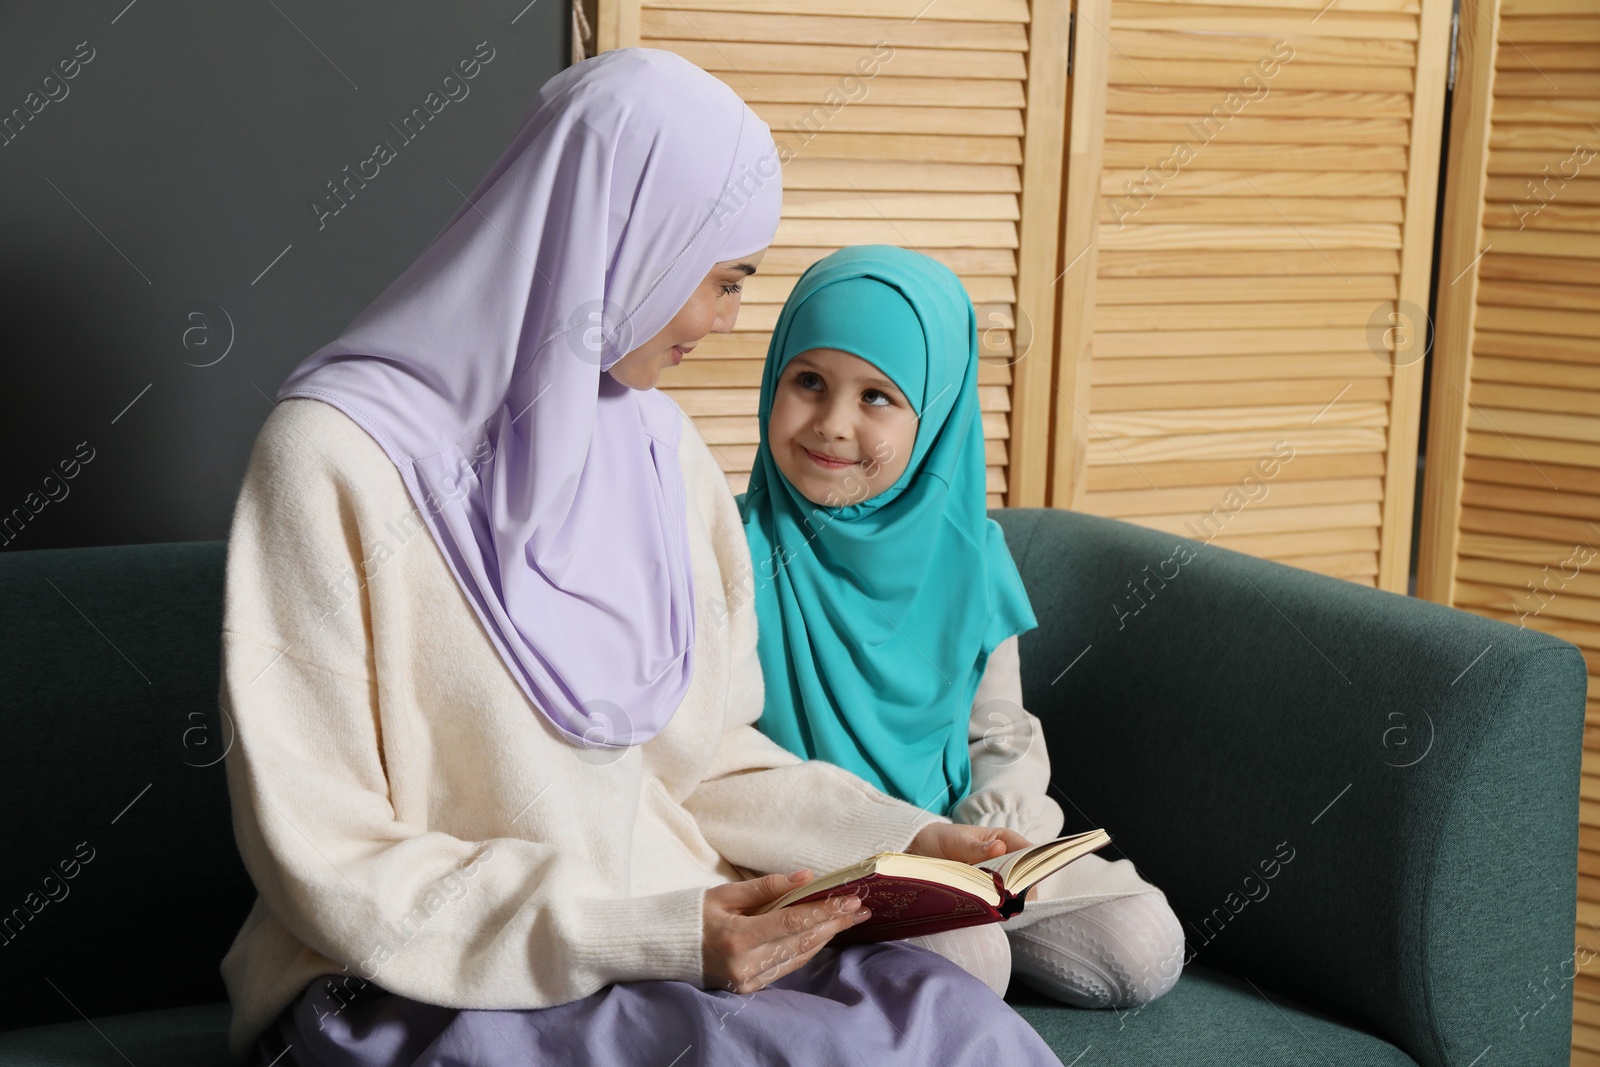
[[1222, 342], [1190, 501], [1331, 262], [1244, 242], [1261, 314], [902, 148], [1239, 445], [1514, 450], [1398, 7], [1184, 368], [871, 175], [841, 59], [973, 10], [796, 119], [1238, 290], [757, 86], [781, 259], [693, 22], [1212, 395], [1253, 128], [1229, 471], [1580, 56], [1136, 99], [1294, 211], [1204, 18], [1224, 77], [1137, 154], [1253, 185], [1245, 49], [913, 233], [898, 124]]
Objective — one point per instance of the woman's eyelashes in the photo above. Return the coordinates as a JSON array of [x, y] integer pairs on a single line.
[[731, 290]]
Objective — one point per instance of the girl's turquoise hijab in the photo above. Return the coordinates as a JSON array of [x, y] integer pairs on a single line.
[[876, 618]]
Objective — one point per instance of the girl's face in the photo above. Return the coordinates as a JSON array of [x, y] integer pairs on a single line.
[[840, 430], [713, 308]]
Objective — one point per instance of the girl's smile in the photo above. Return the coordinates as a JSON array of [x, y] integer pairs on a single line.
[[839, 430], [830, 462]]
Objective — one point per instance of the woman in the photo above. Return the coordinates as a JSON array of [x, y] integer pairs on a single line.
[[492, 780]]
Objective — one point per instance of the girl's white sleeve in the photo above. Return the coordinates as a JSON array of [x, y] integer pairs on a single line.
[[759, 805], [1010, 763]]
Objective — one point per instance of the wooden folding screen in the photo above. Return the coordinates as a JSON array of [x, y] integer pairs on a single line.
[[931, 126], [1248, 234], [1511, 516]]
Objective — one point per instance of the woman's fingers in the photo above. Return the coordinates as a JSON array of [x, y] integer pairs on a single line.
[[749, 895], [800, 932], [744, 952], [781, 964]]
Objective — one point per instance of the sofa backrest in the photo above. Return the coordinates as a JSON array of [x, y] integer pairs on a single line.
[[1365, 801], [121, 888]]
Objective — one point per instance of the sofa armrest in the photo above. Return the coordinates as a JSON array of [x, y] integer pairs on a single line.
[[1365, 801]]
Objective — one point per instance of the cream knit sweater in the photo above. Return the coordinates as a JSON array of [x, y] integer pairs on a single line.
[[409, 819]]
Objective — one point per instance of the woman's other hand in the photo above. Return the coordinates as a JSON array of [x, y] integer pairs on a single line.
[[743, 952]]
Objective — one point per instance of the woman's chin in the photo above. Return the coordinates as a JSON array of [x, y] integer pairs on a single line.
[[634, 380]]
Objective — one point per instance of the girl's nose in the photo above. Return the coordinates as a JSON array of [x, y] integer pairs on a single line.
[[831, 422]]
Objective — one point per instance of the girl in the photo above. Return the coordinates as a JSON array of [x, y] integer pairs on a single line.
[[494, 765], [889, 607]]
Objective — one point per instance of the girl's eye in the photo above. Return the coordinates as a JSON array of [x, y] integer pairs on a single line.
[[808, 380], [881, 400], [729, 290]]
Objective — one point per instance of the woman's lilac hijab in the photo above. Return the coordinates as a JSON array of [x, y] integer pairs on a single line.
[[553, 490]]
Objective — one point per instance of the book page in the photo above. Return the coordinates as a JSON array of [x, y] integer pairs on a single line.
[[951, 873], [1021, 869]]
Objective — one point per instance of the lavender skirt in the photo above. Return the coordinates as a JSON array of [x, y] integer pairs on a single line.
[[872, 1005]]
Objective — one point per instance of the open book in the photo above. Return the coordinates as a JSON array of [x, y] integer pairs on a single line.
[[914, 895]]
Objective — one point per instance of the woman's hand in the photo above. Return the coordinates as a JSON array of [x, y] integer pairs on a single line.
[[969, 844], [743, 953]]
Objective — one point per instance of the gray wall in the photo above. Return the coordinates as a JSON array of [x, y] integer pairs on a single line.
[[164, 265]]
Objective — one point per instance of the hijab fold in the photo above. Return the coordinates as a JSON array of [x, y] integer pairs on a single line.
[[553, 491], [876, 617]]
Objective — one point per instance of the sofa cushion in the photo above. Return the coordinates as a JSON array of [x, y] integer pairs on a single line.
[[122, 887], [192, 1037], [1208, 1019]]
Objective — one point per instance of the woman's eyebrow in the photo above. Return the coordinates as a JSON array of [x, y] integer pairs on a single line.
[[743, 268]]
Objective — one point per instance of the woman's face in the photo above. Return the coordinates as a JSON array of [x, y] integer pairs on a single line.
[[839, 430], [712, 308]]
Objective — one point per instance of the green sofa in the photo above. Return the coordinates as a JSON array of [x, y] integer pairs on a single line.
[[1363, 806]]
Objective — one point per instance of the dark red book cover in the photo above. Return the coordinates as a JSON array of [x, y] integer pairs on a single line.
[[910, 907]]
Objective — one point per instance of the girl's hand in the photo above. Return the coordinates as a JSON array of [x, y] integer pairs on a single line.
[[968, 844], [743, 953]]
